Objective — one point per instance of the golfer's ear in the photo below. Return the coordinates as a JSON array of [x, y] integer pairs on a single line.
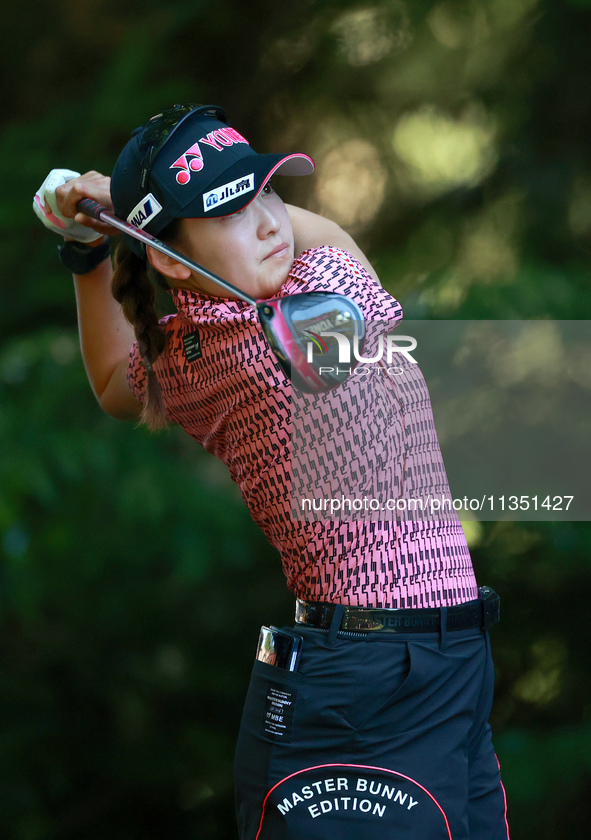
[[167, 265]]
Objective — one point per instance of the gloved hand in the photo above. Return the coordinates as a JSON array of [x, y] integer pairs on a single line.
[[46, 208]]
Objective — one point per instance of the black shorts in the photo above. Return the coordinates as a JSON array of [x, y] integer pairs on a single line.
[[380, 735]]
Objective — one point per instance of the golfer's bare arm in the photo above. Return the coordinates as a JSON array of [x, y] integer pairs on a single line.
[[105, 340], [105, 334], [312, 231]]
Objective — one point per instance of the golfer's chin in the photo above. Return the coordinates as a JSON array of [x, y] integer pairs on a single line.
[[270, 280]]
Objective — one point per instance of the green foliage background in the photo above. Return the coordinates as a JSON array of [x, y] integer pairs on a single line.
[[132, 581]]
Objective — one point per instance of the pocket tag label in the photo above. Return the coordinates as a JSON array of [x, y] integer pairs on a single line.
[[279, 710]]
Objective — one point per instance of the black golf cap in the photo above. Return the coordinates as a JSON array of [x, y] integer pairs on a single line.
[[188, 162]]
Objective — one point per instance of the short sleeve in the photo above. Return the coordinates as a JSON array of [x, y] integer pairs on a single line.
[[332, 270], [136, 373]]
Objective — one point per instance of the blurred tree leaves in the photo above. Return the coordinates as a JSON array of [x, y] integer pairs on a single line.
[[123, 560], [454, 138]]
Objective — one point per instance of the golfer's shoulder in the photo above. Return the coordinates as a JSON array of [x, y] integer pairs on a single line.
[[329, 268], [326, 260]]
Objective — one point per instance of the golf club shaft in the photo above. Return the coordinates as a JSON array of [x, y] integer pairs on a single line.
[[100, 213]]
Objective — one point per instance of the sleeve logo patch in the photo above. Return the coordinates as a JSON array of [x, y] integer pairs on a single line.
[[144, 211], [227, 192], [192, 344]]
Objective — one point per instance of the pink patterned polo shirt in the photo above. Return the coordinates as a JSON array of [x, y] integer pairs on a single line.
[[223, 386]]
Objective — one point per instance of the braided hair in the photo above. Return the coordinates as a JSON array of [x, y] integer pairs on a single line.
[[133, 286]]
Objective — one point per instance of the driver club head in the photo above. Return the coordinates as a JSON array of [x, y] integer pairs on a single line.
[[313, 335]]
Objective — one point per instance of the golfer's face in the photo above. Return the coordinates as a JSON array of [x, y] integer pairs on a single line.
[[253, 248]]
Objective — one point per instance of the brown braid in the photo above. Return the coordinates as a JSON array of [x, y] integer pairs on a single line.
[[135, 292]]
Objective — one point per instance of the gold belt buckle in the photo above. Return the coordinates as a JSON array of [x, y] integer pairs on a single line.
[[357, 619]]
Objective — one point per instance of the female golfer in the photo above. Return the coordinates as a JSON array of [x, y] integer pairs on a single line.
[[369, 716]]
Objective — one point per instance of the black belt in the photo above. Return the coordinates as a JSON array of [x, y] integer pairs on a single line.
[[472, 615]]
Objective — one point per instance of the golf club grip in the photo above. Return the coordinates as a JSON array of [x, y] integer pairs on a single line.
[[91, 208]]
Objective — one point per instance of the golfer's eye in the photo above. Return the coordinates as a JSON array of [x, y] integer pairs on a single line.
[[232, 215], [268, 188]]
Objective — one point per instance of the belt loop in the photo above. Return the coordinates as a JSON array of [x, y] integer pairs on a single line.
[[335, 624], [442, 628]]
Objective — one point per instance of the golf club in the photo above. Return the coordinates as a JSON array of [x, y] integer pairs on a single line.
[[295, 325]]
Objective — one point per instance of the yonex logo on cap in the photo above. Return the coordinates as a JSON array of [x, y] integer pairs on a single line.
[[227, 192], [144, 211], [184, 164], [192, 159]]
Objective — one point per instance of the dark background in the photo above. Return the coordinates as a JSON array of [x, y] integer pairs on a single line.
[[452, 139]]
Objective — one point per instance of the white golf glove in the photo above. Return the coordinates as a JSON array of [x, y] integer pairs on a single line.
[[45, 207]]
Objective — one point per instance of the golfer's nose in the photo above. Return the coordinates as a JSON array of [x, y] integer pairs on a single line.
[[268, 221]]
